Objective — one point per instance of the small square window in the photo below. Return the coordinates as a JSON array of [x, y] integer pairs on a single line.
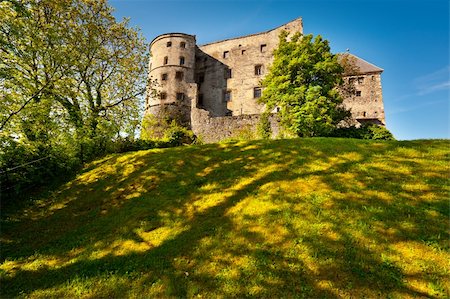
[[166, 60], [180, 96], [351, 80], [227, 96], [258, 70], [263, 48], [169, 44], [164, 77], [257, 92], [360, 80], [179, 75], [163, 95], [358, 93], [181, 60], [226, 54], [228, 73], [182, 45]]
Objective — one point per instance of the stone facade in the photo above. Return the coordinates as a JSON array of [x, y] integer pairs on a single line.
[[215, 87]]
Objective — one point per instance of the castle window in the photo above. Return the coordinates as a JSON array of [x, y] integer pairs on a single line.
[[257, 92], [164, 77], [228, 73], [182, 45], [163, 95], [358, 93], [201, 78], [169, 44], [364, 114], [373, 78], [351, 80], [227, 96], [258, 70], [181, 60], [263, 48], [226, 54], [180, 96], [179, 75], [360, 80], [200, 100], [242, 52], [166, 60]]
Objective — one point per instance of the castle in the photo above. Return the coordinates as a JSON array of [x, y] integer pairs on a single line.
[[213, 88]]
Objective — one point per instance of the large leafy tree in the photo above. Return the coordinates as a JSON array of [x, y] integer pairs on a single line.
[[72, 80], [69, 66], [305, 82]]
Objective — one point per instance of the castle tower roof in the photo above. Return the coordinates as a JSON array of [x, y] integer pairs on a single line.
[[362, 66]]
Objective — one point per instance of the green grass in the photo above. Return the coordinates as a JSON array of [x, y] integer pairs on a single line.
[[330, 218]]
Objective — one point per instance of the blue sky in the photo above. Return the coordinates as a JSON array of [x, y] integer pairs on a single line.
[[408, 39]]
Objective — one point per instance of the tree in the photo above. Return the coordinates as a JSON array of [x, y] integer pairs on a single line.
[[70, 67], [72, 80], [305, 82]]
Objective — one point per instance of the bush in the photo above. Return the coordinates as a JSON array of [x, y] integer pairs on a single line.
[[25, 165], [177, 135], [366, 131]]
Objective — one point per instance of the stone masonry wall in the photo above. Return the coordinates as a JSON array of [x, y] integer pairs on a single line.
[[213, 129], [237, 57], [368, 104]]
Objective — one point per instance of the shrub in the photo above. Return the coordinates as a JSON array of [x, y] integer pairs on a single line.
[[177, 135], [365, 131]]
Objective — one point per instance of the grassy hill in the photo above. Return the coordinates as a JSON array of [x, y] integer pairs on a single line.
[[292, 218]]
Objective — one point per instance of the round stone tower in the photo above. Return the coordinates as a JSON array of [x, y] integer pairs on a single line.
[[171, 72]]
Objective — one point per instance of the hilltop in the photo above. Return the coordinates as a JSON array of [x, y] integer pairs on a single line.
[[318, 217]]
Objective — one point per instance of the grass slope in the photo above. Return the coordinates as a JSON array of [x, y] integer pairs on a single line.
[[286, 218]]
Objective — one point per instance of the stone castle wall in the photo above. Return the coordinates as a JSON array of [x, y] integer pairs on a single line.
[[213, 129], [215, 87], [368, 105], [229, 67]]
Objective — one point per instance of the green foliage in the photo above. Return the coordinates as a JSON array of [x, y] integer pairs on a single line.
[[178, 135], [167, 126], [365, 131], [26, 165], [303, 81], [263, 128], [69, 87]]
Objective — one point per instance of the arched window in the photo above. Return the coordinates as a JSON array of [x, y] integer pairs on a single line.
[[181, 60]]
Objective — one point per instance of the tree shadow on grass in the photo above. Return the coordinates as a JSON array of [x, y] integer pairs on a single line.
[[210, 248]]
